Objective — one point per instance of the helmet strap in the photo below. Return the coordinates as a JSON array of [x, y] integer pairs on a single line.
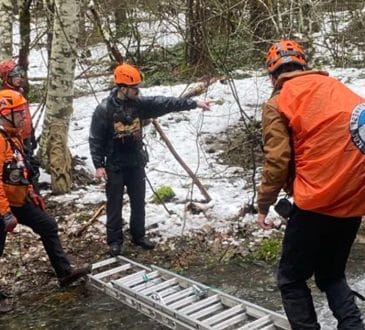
[[12, 121], [121, 93]]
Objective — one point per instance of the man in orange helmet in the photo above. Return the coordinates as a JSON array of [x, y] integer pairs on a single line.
[[116, 147], [314, 148], [13, 77], [18, 201]]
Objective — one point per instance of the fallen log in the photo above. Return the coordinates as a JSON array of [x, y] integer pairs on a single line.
[[201, 86]]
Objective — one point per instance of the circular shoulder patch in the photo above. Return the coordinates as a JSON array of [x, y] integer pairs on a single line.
[[357, 126]]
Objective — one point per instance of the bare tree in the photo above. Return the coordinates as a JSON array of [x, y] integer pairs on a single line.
[[24, 29], [196, 44], [6, 29]]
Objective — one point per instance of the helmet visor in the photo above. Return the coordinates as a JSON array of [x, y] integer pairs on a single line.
[[17, 72]]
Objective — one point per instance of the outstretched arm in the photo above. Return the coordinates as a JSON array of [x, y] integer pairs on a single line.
[[156, 106]]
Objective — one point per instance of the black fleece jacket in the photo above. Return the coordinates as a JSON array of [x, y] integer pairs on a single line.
[[106, 151]]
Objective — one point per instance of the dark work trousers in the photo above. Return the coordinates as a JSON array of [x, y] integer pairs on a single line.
[[320, 245], [134, 178], [46, 227]]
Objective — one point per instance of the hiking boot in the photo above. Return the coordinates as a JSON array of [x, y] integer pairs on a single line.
[[75, 274], [5, 304], [115, 249], [145, 243]]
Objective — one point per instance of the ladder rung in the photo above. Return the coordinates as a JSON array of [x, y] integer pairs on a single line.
[[204, 312], [128, 278], [178, 295], [184, 302], [112, 271], [257, 324], [269, 327], [231, 321], [145, 282], [141, 278], [168, 291], [158, 287], [200, 304], [224, 314], [103, 263], [145, 285]]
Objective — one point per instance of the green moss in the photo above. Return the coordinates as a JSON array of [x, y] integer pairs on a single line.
[[269, 250], [163, 194]]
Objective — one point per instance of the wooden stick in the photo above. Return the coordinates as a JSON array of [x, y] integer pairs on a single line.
[[182, 163], [92, 219]]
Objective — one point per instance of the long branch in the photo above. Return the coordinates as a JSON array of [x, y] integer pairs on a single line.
[[182, 163]]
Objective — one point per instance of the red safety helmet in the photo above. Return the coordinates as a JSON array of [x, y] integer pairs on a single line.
[[127, 75], [9, 69], [283, 52]]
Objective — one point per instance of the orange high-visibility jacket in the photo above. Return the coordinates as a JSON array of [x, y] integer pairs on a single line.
[[327, 124], [10, 195], [28, 126]]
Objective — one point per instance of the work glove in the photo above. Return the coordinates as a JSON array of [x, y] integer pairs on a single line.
[[10, 222], [36, 199]]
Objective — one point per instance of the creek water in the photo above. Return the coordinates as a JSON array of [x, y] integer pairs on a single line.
[[85, 308]]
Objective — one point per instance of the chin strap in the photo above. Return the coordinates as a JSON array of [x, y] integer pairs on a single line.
[[8, 120]]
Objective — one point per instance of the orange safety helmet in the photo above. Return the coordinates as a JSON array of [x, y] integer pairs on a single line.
[[128, 75], [283, 52], [11, 101]]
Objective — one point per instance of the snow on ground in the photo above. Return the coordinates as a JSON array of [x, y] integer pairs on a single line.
[[187, 131]]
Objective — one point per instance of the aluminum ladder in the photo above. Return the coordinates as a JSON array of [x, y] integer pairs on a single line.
[[178, 302]]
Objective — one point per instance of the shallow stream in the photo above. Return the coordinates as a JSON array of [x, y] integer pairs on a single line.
[[85, 308]]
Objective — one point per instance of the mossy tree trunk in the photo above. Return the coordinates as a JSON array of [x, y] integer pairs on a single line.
[[53, 151]]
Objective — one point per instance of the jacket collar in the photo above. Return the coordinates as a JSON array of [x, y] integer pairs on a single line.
[[290, 75]]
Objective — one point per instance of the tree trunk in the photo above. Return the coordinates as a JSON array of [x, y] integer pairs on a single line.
[[106, 34], [49, 7], [24, 27], [53, 151], [6, 29], [120, 16], [197, 52]]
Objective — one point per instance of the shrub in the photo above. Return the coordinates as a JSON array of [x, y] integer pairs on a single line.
[[163, 194], [269, 250]]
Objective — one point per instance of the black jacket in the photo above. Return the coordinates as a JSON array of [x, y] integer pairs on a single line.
[[110, 145]]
